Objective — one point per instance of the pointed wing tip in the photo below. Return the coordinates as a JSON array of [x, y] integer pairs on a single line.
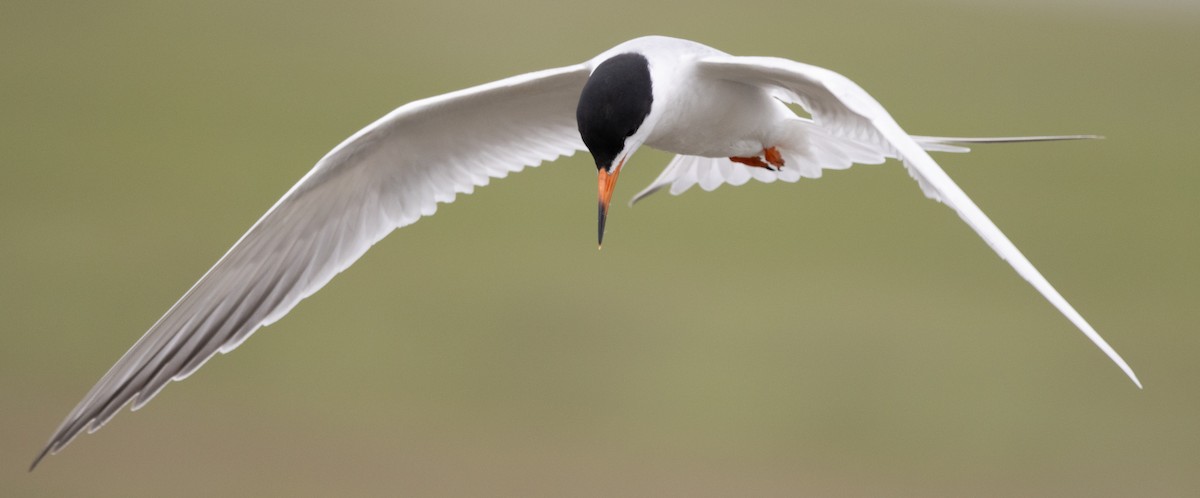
[[45, 452], [1094, 336], [1132, 376], [1116, 358]]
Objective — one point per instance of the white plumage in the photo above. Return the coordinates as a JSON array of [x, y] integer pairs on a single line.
[[707, 107]]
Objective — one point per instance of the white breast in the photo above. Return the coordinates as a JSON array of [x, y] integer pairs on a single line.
[[716, 118]]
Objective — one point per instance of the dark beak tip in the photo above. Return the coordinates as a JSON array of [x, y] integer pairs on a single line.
[[602, 218]]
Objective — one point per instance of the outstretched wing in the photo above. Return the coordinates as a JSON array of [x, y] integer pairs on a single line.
[[384, 177], [843, 109]]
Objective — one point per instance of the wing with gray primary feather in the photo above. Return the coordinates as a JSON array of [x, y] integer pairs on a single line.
[[843, 109], [384, 177]]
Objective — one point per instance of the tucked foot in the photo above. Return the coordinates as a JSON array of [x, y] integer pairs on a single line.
[[774, 160], [752, 161]]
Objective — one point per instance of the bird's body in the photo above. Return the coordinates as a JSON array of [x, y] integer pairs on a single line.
[[698, 116], [727, 118]]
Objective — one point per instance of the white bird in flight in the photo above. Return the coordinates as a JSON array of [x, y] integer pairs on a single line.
[[727, 119]]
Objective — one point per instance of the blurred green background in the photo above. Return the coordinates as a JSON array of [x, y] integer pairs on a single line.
[[837, 337]]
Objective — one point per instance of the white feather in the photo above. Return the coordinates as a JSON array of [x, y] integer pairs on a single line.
[[850, 116], [385, 176], [402, 166]]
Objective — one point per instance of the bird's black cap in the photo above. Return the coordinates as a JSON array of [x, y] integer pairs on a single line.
[[613, 105]]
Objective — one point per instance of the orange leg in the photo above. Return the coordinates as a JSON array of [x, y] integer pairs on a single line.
[[751, 161], [774, 160]]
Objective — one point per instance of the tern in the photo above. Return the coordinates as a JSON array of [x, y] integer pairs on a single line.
[[727, 119]]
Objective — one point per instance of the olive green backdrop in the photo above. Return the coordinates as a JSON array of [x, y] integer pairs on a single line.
[[829, 338]]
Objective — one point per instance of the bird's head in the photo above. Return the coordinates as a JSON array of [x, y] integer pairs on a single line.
[[612, 110]]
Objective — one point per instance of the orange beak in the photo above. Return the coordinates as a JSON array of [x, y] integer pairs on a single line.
[[606, 182]]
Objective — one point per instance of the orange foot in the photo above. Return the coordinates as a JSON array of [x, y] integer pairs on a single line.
[[774, 160], [773, 156]]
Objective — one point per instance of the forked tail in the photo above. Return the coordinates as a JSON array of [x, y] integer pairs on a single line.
[[954, 144]]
